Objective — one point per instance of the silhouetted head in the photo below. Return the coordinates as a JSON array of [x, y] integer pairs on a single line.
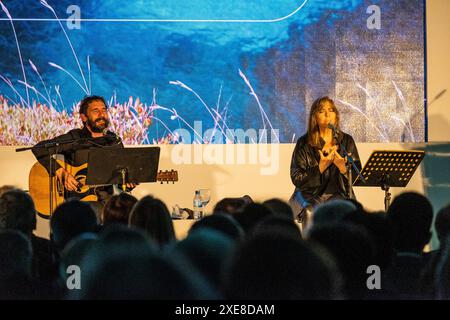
[[17, 211], [6, 187], [247, 199], [69, 220], [75, 251], [442, 279], [380, 230], [122, 237], [208, 250], [411, 215], [357, 204], [126, 264], [141, 276], [332, 211], [250, 215], [279, 267], [221, 222], [353, 251], [442, 223], [230, 205], [15, 255], [278, 224], [151, 214], [279, 207], [117, 209]]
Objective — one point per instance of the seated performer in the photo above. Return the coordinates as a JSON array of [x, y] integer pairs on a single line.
[[318, 168], [95, 133]]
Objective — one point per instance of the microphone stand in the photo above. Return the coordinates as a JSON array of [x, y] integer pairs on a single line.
[[349, 164]]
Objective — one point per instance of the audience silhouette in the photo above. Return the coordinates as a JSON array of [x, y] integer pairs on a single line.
[[151, 215], [243, 251]]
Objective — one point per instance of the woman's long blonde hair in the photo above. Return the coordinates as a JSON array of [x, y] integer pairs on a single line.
[[313, 134]]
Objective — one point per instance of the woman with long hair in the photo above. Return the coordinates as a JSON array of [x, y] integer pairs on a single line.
[[318, 166], [152, 216], [117, 209]]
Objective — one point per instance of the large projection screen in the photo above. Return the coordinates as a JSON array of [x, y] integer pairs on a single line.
[[204, 71]]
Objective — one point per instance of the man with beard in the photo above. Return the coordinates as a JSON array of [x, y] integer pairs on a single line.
[[75, 145]]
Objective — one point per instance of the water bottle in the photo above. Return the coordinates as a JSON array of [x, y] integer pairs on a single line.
[[198, 206]]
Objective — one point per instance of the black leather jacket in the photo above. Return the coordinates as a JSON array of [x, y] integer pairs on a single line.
[[309, 183]]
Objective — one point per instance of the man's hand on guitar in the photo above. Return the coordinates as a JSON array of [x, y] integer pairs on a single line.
[[131, 186], [70, 183]]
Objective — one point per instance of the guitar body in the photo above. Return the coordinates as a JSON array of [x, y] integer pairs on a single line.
[[85, 193], [39, 187]]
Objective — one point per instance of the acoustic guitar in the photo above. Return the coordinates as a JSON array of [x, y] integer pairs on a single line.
[[39, 186]]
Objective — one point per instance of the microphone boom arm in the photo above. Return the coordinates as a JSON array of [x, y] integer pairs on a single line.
[[350, 162]]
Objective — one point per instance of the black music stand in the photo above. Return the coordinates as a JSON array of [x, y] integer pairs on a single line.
[[111, 165], [391, 168]]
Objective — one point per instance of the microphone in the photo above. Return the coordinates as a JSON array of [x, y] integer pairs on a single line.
[[335, 130], [111, 136]]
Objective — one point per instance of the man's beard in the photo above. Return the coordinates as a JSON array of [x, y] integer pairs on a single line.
[[97, 128]]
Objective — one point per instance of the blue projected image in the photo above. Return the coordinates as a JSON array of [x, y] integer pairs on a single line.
[[163, 65]]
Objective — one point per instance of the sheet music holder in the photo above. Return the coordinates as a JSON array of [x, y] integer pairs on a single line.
[[390, 168], [111, 165]]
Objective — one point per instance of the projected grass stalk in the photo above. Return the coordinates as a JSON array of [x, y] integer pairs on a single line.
[[5, 10], [402, 99], [223, 118], [164, 125], [59, 96], [69, 74], [261, 110], [181, 84], [86, 88], [33, 66], [367, 118], [89, 73], [218, 116], [216, 112], [382, 123], [175, 115], [36, 92], [9, 83]]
